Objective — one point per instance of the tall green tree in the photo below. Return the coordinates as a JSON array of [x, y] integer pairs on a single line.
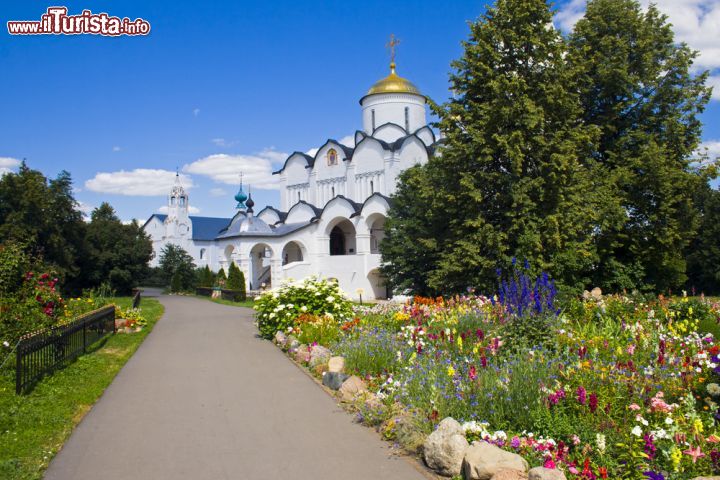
[[119, 254], [43, 215], [703, 253], [513, 176], [177, 267], [637, 88]]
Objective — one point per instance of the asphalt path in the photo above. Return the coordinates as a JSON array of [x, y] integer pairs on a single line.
[[205, 398]]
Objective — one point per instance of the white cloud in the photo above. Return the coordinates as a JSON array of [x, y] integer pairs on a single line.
[[191, 209], [142, 182], [85, 209], [218, 192], [714, 81], [695, 22], [221, 142], [8, 164], [116, 148], [711, 148], [256, 168]]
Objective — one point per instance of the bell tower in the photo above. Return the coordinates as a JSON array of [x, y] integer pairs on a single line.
[[178, 219]]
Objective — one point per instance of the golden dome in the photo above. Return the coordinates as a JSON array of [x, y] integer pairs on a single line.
[[393, 83]]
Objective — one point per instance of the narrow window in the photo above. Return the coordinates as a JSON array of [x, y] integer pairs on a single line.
[[373, 119], [298, 196], [407, 119], [372, 187], [333, 191]]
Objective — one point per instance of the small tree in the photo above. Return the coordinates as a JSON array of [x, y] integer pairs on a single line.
[[205, 277], [220, 278], [176, 283], [174, 261]]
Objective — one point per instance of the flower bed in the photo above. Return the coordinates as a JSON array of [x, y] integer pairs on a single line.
[[604, 387]]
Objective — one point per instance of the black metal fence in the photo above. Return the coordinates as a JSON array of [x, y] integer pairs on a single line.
[[44, 351], [136, 298]]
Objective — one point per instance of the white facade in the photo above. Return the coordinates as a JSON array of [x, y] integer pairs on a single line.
[[333, 205]]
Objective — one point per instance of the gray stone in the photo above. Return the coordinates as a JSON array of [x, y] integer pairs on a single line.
[[483, 460], [319, 355], [444, 449], [302, 354], [351, 387], [336, 364], [334, 380], [280, 339], [292, 343], [542, 473], [506, 474]]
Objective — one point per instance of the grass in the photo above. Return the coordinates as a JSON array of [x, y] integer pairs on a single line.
[[33, 427], [247, 303]]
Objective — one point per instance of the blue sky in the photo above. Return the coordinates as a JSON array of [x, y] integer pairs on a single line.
[[237, 85]]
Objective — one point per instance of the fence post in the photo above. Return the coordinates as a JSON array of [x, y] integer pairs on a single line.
[[84, 338], [18, 369]]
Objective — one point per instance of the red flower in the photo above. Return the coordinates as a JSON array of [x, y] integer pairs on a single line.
[[603, 472], [472, 373]]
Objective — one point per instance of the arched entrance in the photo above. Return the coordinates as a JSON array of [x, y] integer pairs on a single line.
[[376, 224], [378, 284], [260, 268], [342, 238], [292, 252]]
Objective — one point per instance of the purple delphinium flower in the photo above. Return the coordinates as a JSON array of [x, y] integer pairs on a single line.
[[654, 475]]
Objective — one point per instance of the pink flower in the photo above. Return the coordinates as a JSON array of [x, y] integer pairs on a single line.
[[573, 470], [631, 349], [634, 406], [549, 463]]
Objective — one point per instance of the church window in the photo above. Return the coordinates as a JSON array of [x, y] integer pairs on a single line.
[[332, 158], [202, 253], [333, 191], [372, 112], [372, 187], [407, 119], [172, 200], [298, 196]]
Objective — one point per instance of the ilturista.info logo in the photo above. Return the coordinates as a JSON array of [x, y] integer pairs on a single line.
[[56, 21]]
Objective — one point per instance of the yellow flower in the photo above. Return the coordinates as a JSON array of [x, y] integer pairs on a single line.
[[459, 343], [675, 458], [451, 371], [697, 425]]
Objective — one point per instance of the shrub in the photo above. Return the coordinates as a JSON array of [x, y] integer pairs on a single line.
[[277, 309], [236, 281]]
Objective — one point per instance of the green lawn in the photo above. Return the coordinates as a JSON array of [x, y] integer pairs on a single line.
[[247, 303], [33, 427]]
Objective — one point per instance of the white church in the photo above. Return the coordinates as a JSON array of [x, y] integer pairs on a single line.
[[333, 205]]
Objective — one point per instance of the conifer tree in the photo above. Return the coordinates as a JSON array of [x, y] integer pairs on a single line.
[[220, 278], [512, 177]]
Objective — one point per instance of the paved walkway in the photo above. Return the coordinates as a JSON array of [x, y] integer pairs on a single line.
[[203, 398]]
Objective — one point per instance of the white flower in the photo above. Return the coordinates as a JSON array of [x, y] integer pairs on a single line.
[[713, 389], [669, 421], [303, 308], [600, 441], [6, 343], [637, 431], [330, 299], [660, 434]]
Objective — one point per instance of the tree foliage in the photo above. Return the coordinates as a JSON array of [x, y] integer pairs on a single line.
[[637, 89], [42, 215], [119, 253], [575, 154], [177, 267]]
